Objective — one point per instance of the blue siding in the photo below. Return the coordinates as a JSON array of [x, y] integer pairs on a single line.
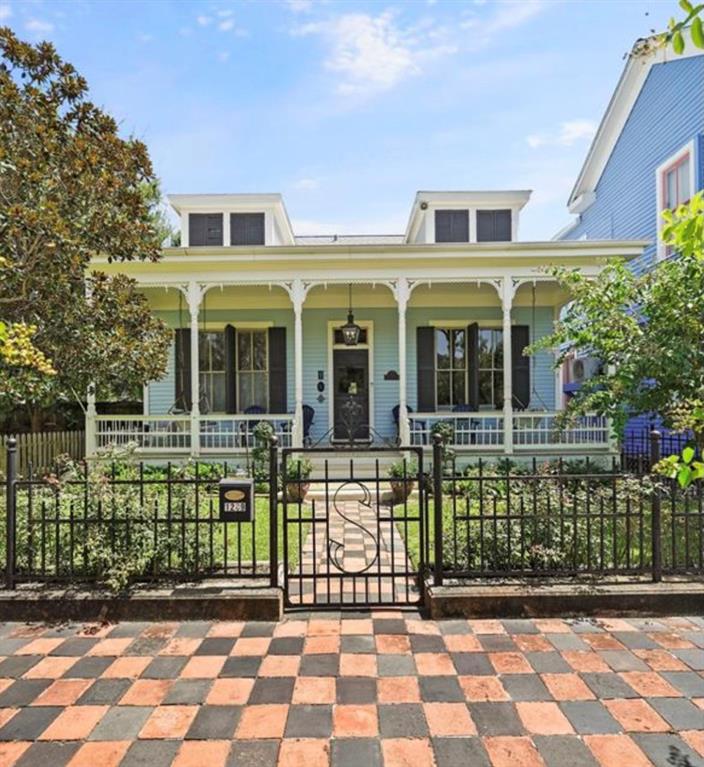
[[668, 113]]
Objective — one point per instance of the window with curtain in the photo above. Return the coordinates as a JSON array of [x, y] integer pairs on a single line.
[[491, 368], [450, 367], [211, 362], [252, 369]]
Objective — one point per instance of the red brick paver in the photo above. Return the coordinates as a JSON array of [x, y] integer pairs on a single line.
[[385, 687]]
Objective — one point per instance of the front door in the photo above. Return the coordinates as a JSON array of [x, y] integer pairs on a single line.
[[351, 394]]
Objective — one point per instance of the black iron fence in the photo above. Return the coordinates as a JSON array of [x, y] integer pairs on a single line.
[[563, 519], [132, 522], [127, 521]]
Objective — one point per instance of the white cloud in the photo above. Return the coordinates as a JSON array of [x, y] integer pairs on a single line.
[[203, 21], [307, 184], [5, 12], [39, 26], [372, 54], [223, 56], [145, 37], [300, 6], [226, 25], [569, 133], [504, 16]]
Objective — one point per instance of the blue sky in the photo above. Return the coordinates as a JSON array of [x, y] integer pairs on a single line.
[[348, 108]]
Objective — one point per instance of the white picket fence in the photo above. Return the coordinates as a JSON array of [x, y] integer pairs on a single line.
[[39, 450]]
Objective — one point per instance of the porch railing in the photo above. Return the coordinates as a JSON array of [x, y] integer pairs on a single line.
[[168, 434], [237, 432], [473, 430], [542, 429], [484, 430], [163, 434]]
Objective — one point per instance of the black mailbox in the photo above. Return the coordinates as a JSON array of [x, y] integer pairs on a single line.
[[236, 500]]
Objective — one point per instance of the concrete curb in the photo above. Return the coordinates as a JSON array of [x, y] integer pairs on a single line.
[[565, 600], [45, 605]]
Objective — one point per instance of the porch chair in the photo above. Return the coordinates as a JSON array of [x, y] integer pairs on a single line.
[[416, 427], [308, 416]]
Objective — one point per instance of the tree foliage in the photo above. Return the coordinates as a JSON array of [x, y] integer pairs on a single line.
[[71, 190], [648, 331], [677, 32]]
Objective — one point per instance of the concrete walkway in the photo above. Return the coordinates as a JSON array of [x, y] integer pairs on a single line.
[[369, 689]]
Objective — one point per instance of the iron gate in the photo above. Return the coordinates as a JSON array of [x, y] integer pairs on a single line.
[[359, 537]]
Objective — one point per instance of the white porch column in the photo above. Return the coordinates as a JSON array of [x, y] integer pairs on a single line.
[[91, 412], [298, 296], [402, 294], [507, 292], [194, 295]]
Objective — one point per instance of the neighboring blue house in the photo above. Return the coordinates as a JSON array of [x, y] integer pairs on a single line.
[[647, 156]]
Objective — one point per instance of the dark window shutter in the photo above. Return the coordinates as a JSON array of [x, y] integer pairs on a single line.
[[196, 229], [182, 395], [502, 225], [472, 353], [246, 229], [485, 226], [451, 226], [520, 366], [230, 369], [205, 229], [493, 226], [425, 360], [277, 370]]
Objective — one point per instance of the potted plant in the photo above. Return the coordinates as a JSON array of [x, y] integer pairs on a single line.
[[402, 478], [298, 470]]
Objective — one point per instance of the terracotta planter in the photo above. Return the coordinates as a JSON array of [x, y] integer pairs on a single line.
[[296, 492], [401, 489]]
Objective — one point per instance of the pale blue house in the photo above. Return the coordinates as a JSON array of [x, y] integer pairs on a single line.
[[356, 339]]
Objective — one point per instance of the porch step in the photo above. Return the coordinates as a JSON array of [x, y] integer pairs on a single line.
[[363, 464]]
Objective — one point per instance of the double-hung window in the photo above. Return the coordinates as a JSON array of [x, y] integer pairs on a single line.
[[450, 367], [675, 186], [211, 363], [252, 369], [491, 368]]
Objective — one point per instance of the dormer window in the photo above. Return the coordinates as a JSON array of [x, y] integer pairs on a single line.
[[451, 226], [494, 226], [205, 229], [246, 229]]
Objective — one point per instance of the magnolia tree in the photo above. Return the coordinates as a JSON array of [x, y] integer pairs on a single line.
[[647, 329], [71, 190]]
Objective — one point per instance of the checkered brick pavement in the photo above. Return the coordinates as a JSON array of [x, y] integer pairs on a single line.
[[360, 583], [367, 689]]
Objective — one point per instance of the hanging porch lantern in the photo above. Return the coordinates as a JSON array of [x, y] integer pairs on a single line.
[[350, 330]]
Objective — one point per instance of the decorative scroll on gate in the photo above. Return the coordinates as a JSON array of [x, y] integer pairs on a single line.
[[353, 541]]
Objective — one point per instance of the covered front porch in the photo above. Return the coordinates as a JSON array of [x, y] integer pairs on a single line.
[[439, 352]]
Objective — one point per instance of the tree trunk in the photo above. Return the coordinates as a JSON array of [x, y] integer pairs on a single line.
[[36, 419]]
